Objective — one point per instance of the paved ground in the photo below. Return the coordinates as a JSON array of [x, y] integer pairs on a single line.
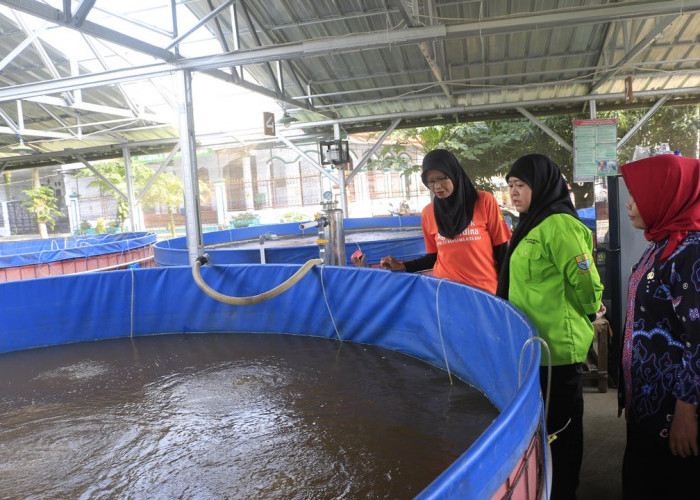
[[604, 444]]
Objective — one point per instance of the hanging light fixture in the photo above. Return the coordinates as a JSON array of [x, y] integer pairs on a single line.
[[21, 148], [286, 120]]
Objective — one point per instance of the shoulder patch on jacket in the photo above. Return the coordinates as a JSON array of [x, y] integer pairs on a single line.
[[582, 262]]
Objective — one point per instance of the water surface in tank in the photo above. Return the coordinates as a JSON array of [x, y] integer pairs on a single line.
[[228, 415], [310, 237]]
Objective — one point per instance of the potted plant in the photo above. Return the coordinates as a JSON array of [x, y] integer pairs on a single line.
[[244, 220]]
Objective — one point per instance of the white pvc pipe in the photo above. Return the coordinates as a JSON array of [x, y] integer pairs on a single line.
[[308, 225]]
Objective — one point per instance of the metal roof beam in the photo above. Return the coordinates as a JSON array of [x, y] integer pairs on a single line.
[[14, 128], [48, 63], [314, 163], [254, 33], [641, 121], [97, 108], [661, 25], [320, 47], [67, 11], [100, 176], [551, 133], [22, 45], [48, 13], [120, 88], [262, 91], [373, 149], [157, 172], [201, 23], [79, 16], [425, 47], [136, 22], [28, 132], [478, 89], [69, 156], [492, 107]]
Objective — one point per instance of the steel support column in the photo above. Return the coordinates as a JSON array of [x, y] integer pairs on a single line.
[[126, 152], [193, 226]]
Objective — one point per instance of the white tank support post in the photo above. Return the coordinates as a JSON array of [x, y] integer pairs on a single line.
[[73, 213], [5, 228], [248, 186], [220, 197], [193, 227]]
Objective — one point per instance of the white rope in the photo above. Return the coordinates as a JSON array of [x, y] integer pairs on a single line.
[[131, 332], [325, 299], [442, 341]]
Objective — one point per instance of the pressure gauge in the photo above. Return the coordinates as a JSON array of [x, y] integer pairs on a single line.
[[328, 195]]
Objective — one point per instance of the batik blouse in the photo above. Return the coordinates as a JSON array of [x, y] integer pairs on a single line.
[[661, 346]]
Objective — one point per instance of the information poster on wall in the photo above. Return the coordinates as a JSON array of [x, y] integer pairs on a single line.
[[595, 149]]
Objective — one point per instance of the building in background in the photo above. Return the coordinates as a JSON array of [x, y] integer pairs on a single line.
[[271, 184]]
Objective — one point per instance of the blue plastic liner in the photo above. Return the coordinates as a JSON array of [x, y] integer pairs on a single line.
[[478, 336], [25, 253], [173, 252], [587, 216]]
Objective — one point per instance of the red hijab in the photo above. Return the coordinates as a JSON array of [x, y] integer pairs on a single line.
[[666, 189]]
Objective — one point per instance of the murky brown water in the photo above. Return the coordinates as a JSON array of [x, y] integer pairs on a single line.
[[236, 416], [310, 237]]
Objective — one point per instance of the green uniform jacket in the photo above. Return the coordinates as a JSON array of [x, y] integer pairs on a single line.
[[554, 281]]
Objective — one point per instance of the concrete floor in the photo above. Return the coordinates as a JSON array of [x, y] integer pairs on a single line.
[[603, 447]]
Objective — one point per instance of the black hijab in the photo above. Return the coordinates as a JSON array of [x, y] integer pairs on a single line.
[[454, 213], [550, 195]]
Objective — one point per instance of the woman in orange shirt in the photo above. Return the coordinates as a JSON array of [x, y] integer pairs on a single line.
[[466, 236]]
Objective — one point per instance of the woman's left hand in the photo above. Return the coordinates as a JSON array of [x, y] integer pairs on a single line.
[[683, 438], [601, 312]]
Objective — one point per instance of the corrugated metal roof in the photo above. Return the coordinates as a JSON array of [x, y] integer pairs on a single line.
[[359, 63]]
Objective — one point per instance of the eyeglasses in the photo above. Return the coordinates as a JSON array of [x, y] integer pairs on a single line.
[[440, 181]]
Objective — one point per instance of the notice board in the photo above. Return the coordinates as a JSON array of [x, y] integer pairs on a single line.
[[595, 149]]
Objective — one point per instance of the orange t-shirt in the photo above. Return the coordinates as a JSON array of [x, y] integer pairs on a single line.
[[468, 258]]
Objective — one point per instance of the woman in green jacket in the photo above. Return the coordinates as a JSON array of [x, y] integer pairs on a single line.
[[550, 276]]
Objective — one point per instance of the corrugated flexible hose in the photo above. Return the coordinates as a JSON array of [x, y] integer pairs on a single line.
[[253, 299]]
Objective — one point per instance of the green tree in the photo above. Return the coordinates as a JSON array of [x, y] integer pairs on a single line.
[[167, 190], [43, 204], [115, 173], [487, 149]]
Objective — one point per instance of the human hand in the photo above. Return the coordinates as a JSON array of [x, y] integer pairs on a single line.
[[683, 438], [358, 259], [601, 312], [392, 264]]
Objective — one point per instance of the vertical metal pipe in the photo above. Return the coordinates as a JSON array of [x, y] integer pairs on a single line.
[[126, 153], [341, 175], [193, 226], [331, 235], [173, 15]]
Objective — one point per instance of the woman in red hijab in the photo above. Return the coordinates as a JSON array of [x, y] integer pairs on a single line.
[[661, 344]]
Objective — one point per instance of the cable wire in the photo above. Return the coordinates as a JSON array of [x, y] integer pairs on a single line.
[[437, 313]]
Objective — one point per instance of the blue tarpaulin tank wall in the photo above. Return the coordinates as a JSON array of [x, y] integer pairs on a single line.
[[476, 336], [174, 252], [587, 216], [58, 256]]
